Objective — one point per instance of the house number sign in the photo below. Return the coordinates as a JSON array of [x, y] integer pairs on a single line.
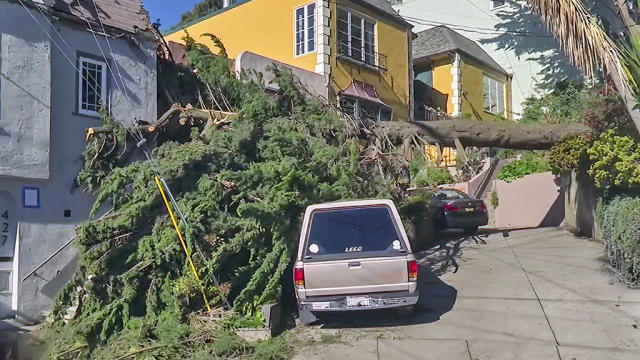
[[8, 221], [5, 227]]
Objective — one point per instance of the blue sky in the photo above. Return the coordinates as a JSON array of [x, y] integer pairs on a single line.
[[168, 11]]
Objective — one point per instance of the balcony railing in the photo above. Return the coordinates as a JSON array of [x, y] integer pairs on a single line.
[[426, 113], [372, 59]]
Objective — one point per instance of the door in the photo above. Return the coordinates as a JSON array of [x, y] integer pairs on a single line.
[[8, 224]]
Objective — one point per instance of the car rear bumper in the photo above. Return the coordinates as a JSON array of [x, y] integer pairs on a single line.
[[376, 301], [461, 222]]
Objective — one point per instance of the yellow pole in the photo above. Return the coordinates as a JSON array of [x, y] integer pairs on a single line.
[[184, 245]]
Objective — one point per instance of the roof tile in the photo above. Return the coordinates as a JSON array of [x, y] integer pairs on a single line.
[[125, 15], [441, 39]]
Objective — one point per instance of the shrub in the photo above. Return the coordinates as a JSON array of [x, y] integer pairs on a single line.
[[568, 153], [416, 216], [620, 222], [495, 201], [615, 161], [521, 168], [432, 176], [565, 104]]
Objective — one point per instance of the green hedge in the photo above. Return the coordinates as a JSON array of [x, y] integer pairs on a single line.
[[620, 222], [521, 168]]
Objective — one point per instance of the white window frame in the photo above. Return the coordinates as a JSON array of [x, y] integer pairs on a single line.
[[363, 18], [493, 6], [103, 91], [305, 28], [496, 87]]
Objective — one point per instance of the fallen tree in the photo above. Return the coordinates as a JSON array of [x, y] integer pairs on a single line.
[[242, 178], [508, 135], [242, 187]]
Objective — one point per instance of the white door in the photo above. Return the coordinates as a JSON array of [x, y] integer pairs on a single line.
[[8, 224]]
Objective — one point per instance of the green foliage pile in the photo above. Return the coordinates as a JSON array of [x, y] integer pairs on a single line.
[[242, 191], [528, 165], [620, 223], [615, 161], [425, 175]]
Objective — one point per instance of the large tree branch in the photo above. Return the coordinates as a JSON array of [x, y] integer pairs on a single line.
[[508, 135], [177, 114]]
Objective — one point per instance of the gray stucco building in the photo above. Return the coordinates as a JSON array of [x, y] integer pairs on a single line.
[[57, 71]]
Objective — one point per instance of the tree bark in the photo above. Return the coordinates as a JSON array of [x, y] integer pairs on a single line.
[[508, 135], [209, 118]]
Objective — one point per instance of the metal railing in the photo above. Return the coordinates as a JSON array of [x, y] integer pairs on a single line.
[[374, 59], [426, 113]]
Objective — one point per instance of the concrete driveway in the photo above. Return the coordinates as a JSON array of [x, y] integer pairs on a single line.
[[533, 294]]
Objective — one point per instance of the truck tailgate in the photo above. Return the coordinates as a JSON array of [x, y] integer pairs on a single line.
[[356, 276]]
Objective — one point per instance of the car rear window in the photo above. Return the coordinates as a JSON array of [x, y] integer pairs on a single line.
[[453, 194], [353, 230]]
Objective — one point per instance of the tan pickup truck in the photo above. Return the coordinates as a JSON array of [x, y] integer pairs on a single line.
[[354, 255]]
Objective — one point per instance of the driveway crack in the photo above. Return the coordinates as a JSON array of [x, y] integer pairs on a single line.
[[555, 338]]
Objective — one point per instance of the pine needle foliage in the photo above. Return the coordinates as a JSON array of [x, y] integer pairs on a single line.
[[242, 190]]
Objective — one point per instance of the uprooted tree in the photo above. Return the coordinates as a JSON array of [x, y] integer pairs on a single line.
[[241, 177], [242, 190]]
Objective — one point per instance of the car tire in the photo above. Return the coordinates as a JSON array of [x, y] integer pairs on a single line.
[[471, 230]]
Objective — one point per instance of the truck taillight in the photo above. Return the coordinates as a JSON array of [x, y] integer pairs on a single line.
[[298, 276], [412, 267]]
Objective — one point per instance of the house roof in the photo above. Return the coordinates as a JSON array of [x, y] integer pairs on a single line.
[[127, 15], [385, 7], [440, 40]]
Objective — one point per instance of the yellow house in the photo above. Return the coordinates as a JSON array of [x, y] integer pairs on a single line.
[[455, 75], [356, 53]]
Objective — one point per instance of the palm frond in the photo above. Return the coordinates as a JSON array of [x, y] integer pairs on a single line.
[[630, 59], [579, 34]]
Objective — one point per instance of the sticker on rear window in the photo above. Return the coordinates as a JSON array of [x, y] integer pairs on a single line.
[[353, 249], [314, 248], [396, 245]]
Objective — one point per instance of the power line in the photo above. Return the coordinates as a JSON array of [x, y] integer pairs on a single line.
[[58, 46], [474, 29]]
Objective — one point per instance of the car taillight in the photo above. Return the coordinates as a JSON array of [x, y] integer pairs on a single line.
[[298, 276], [451, 208], [412, 267], [482, 207]]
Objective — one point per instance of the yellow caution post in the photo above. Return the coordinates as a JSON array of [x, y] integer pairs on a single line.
[[184, 244]]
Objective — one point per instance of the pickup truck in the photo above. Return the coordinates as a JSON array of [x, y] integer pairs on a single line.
[[354, 255]]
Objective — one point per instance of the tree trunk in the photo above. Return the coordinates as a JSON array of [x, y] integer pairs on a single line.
[[508, 135]]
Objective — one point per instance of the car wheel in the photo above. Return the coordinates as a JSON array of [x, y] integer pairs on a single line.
[[471, 230]]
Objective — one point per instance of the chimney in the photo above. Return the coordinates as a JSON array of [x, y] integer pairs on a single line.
[[226, 3]]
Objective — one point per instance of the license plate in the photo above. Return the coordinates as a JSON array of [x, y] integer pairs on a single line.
[[320, 305], [355, 301], [469, 209]]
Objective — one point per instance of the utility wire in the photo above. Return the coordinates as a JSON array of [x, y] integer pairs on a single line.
[[56, 45]]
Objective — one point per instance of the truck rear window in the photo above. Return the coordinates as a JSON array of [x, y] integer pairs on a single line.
[[353, 230]]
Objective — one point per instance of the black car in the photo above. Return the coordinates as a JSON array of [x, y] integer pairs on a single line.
[[453, 209]]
